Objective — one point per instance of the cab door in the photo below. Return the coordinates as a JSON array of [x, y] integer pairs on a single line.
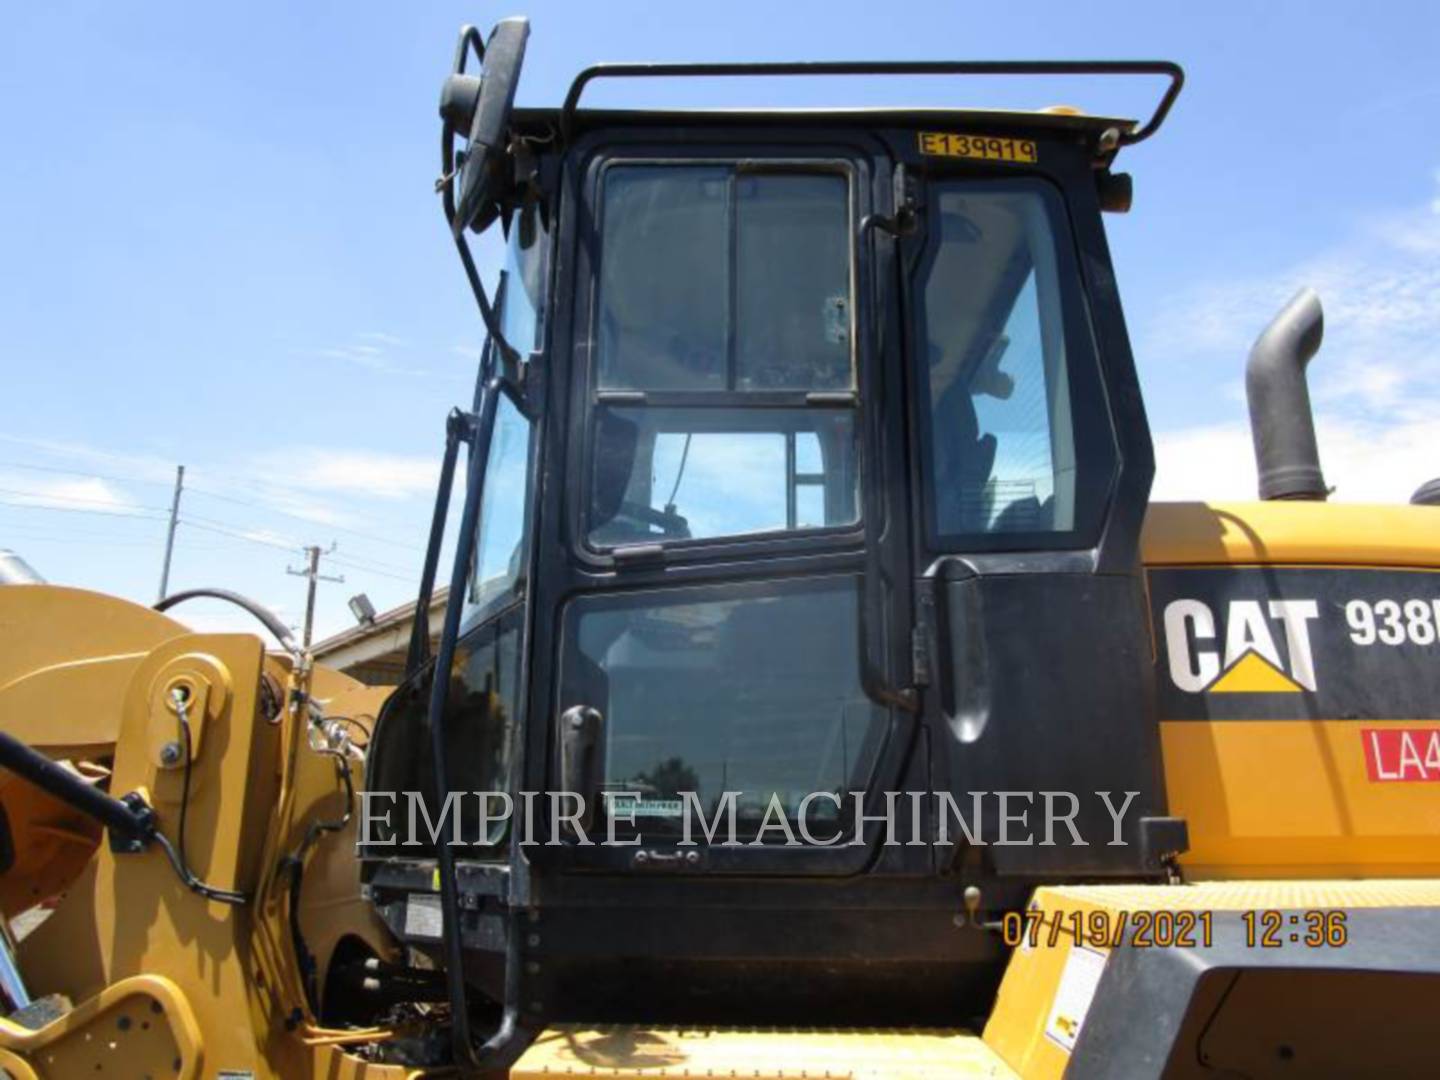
[[706, 601], [1032, 470]]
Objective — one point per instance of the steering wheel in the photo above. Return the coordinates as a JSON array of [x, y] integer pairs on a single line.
[[672, 526]]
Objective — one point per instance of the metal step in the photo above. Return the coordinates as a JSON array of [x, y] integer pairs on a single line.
[[623, 1051]]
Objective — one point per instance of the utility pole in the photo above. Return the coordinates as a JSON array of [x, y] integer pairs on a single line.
[[311, 570], [170, 536]]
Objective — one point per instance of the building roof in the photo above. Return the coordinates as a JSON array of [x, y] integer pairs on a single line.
[[374, 652]]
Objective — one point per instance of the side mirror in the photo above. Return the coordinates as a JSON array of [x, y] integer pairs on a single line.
[[580, 727], [479, 106]]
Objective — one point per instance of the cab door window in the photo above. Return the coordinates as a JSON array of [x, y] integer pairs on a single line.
[[723, 393], [736, 694]]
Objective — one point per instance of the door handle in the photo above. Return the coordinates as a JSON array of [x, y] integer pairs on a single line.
[[580, 728], [656, 859]]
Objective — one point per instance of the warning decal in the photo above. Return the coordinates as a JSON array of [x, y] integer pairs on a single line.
[[1078, 982]]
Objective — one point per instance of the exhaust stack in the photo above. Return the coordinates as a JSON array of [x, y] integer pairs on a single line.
[[16, 571], [1281, 422]]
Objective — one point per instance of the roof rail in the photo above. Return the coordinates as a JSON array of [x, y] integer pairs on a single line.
[[1173, 71]]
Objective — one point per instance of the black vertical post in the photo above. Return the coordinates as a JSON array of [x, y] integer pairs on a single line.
[[439, 698]]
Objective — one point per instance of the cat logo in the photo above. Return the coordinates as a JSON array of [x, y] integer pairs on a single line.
[[1242, 656]]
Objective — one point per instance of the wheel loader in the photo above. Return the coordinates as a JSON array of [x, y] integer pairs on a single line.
[[819, 691]]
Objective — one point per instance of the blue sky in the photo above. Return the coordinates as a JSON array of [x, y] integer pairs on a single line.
[[219, 246]]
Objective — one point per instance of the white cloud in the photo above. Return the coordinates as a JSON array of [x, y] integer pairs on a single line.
[[384, 339], [357, 472], [1375, 382], [79, 493], [1363, 462], [1381, 293], [373, 351], [146, 468], [269, 536]]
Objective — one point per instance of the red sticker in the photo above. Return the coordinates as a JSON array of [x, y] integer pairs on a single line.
[[1401, 754]]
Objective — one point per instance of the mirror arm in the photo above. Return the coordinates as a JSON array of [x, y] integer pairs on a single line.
[[509, 357], [470, 38]]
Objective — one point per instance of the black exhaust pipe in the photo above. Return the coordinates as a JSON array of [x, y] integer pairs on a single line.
[[16, 571], [1281, 423]]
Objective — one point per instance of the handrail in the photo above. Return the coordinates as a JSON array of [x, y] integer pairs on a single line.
[[467, 1053], [459, 427], [1171, 70]]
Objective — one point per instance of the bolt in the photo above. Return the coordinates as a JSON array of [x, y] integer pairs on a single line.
[[170, 754], [532, 940]]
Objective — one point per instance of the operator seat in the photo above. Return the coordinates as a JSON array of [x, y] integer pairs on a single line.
[[963, 460]]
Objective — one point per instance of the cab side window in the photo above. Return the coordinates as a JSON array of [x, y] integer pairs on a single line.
[[1020, 449]]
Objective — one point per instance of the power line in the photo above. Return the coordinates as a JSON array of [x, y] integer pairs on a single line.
[[301, 517], [87, 540], [365, 562], [253, 504], [409, 579], [49, 526], [51, 497], [80, 510], [79, 472], [213, 525], [192, 523], [226, 528]]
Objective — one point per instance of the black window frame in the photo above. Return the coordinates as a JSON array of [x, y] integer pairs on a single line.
[[1090, 395], [611, 600], [762, 563], [478, 614], [856, 166]]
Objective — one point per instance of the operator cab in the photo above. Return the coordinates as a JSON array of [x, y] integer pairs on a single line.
[[806, 471]]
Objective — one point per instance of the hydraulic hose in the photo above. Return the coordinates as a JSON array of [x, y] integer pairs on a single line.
[[271, 621]]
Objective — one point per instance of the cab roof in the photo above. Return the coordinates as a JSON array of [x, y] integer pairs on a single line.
[[869, 116], [1076, 128], [570, 118]]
